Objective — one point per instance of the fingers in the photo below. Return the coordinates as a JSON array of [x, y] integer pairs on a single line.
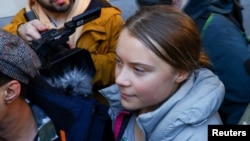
[[31, 30], [70, 45]]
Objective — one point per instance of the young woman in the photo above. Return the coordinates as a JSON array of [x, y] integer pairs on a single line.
[[162, 82], [225, 44]]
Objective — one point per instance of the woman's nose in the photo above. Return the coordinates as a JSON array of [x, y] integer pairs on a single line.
[[122, 77]]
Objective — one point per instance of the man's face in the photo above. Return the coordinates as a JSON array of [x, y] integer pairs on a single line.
[[57, 6]]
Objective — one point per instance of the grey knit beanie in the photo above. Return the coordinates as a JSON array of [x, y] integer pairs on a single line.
[[17, 59]]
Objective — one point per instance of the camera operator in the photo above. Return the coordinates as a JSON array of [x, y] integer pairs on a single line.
[[99, 36]]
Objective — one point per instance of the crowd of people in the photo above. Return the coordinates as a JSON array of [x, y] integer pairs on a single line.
[[166, 72]]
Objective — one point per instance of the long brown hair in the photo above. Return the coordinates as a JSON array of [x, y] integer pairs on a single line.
[[170, 34]]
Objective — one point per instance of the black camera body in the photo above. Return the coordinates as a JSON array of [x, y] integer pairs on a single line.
[[63, 67], [54, 41]]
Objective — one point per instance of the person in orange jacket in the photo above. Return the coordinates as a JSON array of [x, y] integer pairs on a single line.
[[99, 36]]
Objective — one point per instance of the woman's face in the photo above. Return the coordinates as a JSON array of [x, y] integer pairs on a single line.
[[145, 80]]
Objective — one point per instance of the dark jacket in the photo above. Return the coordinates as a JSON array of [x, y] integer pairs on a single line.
[[227, 48]]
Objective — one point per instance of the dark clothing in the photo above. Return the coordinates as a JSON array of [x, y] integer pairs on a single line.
[[227, 48], [46, 129], [80, 118]]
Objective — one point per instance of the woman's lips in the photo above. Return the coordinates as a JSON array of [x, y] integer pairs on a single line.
[[125, 96]]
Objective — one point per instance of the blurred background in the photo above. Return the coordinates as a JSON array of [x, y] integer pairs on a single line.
[[9, 7]]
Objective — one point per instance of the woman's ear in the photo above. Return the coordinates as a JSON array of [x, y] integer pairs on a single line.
[[182, 76], [12, 91]]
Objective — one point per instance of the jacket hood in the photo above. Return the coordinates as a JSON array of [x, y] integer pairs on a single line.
[[194, 8], [194, 103]]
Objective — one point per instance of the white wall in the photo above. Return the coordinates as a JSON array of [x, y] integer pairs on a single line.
[[10, 7]]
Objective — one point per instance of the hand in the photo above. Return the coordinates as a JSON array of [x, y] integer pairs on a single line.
[[70, 45], [31, 30]]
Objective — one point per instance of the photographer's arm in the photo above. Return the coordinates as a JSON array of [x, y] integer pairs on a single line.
[[106, 62], [26, 30], [17, 20], [101, 43]]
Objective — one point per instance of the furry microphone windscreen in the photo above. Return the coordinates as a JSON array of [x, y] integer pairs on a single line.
[[73, 81]]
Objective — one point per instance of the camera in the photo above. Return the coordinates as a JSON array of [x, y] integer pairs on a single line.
[[69, 69]]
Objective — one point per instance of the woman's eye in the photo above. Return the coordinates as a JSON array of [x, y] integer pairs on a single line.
[[139, 70], [117, 60]]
